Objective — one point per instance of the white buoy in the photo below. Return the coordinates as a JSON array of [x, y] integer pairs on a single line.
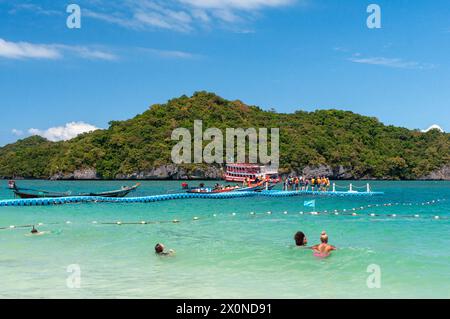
[[285, 213], [195, 218], [373, 215], [252, 213], [175, 221], [143, 222], [417, 216], [12, 226], [119, 223], [269, 213], [336, 214]]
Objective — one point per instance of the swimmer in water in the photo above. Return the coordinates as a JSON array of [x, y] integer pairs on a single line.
[[323, 249], [35, 232], [300, 239], [159, 250]]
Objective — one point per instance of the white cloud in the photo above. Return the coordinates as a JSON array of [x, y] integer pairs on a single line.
[[64, 133], [434, 127], [87, 52], [141, 15], [237, 4], [170, 53], [34, 8], [392, 62], [26, 50], [110, 18], [17, 132], [179, 15], [178, 21], [201, 15], [23, 50], [175, 15], [226, 15]]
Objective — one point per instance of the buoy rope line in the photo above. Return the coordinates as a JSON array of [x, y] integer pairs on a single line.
[[336, 212], [165, 197]]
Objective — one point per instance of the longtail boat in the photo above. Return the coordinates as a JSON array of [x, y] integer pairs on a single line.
[[212, 190], [34, 193], [257, 187]]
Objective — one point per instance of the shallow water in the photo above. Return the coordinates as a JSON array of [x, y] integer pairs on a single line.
[[226, 256]]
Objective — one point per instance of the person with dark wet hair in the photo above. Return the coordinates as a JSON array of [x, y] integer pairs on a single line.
[[300, 239], [34, 231], [159, 250]]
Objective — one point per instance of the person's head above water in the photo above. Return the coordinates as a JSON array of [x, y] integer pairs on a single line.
[[159, 248], [34, 230], [300, 239], [324, 237]]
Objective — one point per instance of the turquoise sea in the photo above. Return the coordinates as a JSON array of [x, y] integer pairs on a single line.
[[227, 252]]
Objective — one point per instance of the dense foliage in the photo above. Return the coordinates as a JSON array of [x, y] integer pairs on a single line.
[[362, 145]]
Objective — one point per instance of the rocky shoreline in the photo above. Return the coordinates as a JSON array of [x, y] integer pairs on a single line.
[[174, 172]]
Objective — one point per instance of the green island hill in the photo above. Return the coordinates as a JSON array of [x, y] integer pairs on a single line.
[[338, 144]]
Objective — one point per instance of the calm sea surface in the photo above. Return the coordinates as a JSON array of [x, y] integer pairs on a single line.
[[227, 252]]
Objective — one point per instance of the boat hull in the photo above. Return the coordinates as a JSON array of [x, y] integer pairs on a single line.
[[30, 195], [36, 194]]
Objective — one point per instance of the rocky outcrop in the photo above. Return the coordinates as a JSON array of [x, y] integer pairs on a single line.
[[442, 174], [342, 173], [175, 172], [339, 172], [88, 173], [81, 174], [320, 170], [160, 172]]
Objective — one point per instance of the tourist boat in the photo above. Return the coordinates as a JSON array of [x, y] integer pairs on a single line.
[[243, 172], [33, 193]]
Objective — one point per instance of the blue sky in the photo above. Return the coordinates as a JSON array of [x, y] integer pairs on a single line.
[[282, 54]]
